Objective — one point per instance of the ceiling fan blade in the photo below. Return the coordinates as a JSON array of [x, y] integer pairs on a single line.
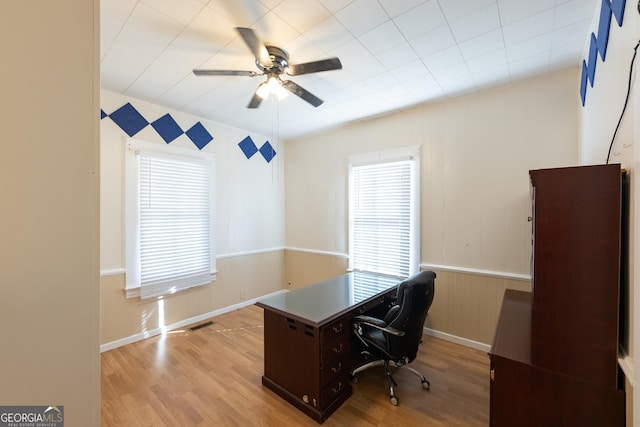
[[224, 73], [298, 90], [256, 100], [314, 67], [258, 48]]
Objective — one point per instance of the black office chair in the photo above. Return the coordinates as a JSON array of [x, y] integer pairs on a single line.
[[394, 340]]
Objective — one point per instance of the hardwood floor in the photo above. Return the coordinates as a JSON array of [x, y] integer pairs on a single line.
[[212, 377]]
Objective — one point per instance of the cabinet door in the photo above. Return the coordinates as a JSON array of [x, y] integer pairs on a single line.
[[524, 395], [576, 271]]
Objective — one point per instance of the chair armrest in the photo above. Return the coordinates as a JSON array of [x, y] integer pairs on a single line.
[[377, 324]]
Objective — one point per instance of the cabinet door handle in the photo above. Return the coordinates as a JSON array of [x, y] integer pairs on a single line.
[[337, 369], [337, 329], [338, 349], [336, 390], [492, 374]]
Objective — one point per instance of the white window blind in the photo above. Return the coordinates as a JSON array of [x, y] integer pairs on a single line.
[[172, 239], [384, 233]]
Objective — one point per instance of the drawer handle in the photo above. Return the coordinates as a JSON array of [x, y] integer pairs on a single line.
[[338, 349], [337, 330], [337, 369], [337, 390]]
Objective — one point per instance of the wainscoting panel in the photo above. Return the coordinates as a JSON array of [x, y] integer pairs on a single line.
[[241, 278], [467, 304], [303, 267]]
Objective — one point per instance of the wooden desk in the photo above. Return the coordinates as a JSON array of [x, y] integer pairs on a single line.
[[307, 339]]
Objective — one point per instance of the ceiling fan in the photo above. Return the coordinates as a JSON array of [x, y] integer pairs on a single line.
[[273, 62]]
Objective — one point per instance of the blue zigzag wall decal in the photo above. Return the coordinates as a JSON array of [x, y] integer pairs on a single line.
[[598, 44], [131, 122]]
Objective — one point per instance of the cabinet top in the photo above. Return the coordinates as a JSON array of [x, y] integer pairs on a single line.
[[575, 171]]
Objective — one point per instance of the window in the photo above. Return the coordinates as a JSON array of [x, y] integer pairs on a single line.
[[170, 242], [384, 232]]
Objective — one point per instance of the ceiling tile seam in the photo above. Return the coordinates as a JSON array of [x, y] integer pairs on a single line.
[[184, 28], [395, 24], [504, 42], [115, 38], [444, 91]]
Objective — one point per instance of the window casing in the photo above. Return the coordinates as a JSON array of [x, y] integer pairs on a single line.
[[384, 212], [170, 194]]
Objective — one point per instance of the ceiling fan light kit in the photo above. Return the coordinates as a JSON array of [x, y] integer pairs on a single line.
[[273, 85], [273, 62]]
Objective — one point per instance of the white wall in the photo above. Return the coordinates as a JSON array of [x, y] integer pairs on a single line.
[[605, 100], [476, 154], [49, 265], [249, 227], [250, 192], [598, 120]]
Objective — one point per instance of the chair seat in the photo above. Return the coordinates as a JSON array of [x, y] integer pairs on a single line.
[[394, 340], [377, 344]]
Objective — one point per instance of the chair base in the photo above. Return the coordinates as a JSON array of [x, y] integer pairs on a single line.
[[426, 385]]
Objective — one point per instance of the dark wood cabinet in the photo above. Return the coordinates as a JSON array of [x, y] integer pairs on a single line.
[[528, 395], [576, 271], [554, 355]]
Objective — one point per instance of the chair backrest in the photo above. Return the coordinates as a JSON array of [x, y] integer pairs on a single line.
[[414, 297]]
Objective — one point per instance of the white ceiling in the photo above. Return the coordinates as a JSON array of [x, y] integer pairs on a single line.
[[395, 53]]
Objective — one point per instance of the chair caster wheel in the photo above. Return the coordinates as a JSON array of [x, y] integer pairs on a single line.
[[354, 379], [426, 385], [394, 400]]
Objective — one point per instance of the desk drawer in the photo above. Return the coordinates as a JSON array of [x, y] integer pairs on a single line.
[[381, 303], [336, 388], [335, 349], [334, 330], [334, 369]]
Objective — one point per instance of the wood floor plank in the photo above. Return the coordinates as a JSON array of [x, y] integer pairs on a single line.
[[212, 377]]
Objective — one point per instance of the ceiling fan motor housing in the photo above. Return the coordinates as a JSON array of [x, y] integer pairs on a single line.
[[279, 61]]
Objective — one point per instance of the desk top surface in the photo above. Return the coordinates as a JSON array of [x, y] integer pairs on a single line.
[[322, 302]]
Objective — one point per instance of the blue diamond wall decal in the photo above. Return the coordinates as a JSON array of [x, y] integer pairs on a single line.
[[167, 128], [267, 152], [248, 147], [129, 119], [199, 135]]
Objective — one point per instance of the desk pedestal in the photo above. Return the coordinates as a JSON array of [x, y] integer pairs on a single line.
[[307, 338], [307, 365]]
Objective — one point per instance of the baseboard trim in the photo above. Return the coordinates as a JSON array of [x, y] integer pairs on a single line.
[[159, 331], [458, 340]]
